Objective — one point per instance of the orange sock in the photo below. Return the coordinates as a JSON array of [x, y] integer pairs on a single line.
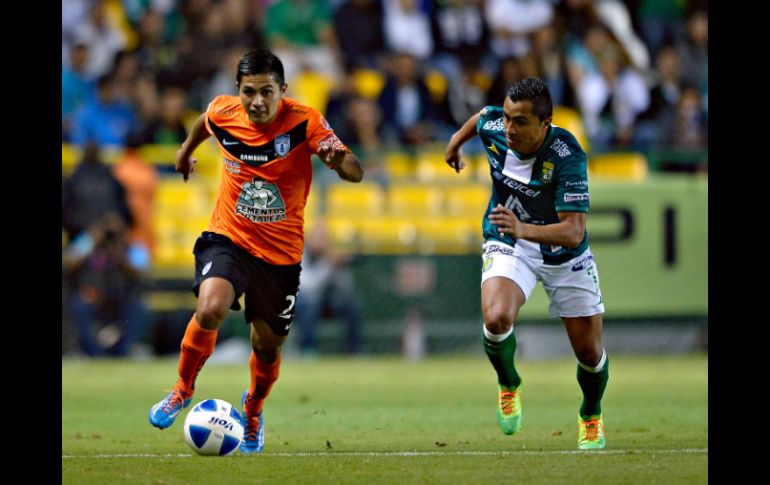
[[263, 376], [197, 345]]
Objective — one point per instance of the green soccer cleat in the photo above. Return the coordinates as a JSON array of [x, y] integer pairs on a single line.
[[590, 433], [509, 409]]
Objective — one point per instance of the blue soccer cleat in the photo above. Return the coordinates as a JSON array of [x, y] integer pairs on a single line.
[[163, 414], [253, 430]]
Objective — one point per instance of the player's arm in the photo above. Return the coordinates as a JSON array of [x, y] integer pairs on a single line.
[[568, 232], [453, 154], [198, 133], [342, 161]]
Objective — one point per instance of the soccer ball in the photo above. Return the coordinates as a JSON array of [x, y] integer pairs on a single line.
[[213, 427]]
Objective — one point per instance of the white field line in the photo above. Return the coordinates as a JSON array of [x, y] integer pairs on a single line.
[[410, 453]]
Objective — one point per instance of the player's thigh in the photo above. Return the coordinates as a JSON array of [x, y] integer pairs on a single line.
[[507, 280], [220, 278], [573, 287], [272, 295], [215, 297]]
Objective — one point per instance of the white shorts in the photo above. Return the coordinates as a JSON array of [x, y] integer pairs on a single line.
[[572, 287]]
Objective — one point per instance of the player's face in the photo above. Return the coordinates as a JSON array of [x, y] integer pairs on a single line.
[[524, 132], [260, 96]]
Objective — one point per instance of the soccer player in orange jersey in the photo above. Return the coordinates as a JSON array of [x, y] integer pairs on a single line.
[[254, 241]]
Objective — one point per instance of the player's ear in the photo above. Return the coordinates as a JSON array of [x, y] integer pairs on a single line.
[[284, 87]]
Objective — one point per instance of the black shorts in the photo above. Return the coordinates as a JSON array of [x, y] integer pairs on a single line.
[[270, 289]]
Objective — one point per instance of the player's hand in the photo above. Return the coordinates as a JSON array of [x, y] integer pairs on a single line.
[[453, 158], [333, 157], [507, 222], [184, 164]]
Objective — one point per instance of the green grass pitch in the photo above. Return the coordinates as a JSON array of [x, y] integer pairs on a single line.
[[362, 421]]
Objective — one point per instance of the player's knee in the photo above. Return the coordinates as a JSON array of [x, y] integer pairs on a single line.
[[210, 313], [589, 356], [267, 355], [497, 322]]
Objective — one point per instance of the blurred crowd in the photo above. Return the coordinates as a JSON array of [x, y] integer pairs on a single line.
[[636, 71]]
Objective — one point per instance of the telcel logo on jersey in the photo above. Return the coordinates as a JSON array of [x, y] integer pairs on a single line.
[[494, 125]]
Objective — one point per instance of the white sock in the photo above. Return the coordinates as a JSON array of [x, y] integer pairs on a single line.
[[598, 367], [496, 338]]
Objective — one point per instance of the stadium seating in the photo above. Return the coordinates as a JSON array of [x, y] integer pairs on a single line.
[[432, 168], [448, 235], [350, 200], [311, 88], [624, 166], [400, 166], [414, 200], [368, 82], [466, 201], [570, 120]]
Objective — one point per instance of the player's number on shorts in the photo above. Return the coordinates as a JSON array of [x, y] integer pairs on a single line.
[[287, 313]]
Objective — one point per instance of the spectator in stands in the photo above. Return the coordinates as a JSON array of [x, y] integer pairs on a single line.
[[459, 30], [664, 96], [300, 33], [547, 51], [155, 51], [661, 23], [694, 52], [508, 72], [140, 181], [358, 27], [327, 289], [125, 72], [406, 104], [168, 128], [465, 92], [76, 86], [611, 100], [103, 38], [103, 119], [104, 272], [686, 127], [90, 193], [407, 28], [512, 21]]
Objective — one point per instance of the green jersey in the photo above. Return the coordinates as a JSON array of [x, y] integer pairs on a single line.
[[535, 188]]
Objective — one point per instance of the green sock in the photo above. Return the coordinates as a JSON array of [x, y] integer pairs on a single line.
[[501, 356], [593, 385]]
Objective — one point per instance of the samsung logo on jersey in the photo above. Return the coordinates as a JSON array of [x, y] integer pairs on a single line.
[[576, 197], [517, 186], [494, 125], [254, 158]]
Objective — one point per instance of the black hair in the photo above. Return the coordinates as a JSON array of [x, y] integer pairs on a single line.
[[260, 61], [536, 91]]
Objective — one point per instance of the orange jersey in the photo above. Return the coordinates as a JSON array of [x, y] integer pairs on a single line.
[[266, 175]]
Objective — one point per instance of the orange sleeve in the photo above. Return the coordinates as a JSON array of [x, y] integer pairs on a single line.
[[321, 135]]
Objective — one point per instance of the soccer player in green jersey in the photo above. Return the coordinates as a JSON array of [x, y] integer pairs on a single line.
[[535, 230]]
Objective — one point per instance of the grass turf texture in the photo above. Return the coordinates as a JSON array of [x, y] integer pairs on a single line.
[[391, 421]]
